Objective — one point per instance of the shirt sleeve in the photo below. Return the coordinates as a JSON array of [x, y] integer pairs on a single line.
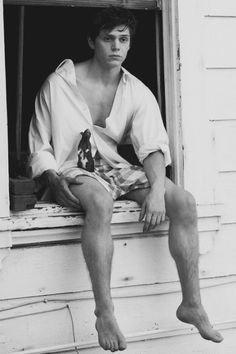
[[148, 133], [41, 151]]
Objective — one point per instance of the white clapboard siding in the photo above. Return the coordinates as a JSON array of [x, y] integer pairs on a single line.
[[220, 46], [199, 167], [143, 260], [228, 192], [220, 63], [225, 145], [171, 342], [42, 322], [220, 88], [219, 8], [208, 86]]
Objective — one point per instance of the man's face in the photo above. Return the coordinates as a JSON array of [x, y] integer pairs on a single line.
[[111, 46]]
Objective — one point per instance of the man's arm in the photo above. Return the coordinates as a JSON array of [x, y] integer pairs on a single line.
[[59, 187], [153, 207], [42, 162]]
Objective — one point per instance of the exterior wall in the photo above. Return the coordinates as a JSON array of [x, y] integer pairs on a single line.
[[220, 72], [208, 82], [45, 291]]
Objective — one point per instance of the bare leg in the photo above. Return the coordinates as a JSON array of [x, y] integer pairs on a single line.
[[183, 244], [98, 250]]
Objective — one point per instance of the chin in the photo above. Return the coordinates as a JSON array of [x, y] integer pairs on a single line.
[[114, 63]]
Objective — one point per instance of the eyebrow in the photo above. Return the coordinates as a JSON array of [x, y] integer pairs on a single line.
[[120, 35]]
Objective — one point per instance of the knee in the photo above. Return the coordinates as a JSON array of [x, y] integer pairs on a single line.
[[100, 207], [185, 207]]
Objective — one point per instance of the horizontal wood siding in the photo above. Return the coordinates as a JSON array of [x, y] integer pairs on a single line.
[[220, 71], [220, 48], [199, 165], [50, 284], [220, 86], [208, 73], [34, 271], [219, 8]]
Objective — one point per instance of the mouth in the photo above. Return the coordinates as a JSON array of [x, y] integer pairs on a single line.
[[115, 56]]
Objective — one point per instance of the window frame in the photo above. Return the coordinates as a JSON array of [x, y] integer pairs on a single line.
[[4, 177], [131, 4], [171, 77]]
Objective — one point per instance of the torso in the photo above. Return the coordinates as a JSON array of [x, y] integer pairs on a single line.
[[99, 99]]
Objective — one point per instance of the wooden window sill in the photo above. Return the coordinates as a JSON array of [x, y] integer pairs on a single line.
[[49, 222]]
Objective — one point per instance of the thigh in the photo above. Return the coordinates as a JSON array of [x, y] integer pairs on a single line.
[[91, 193], [137, 195], [173, 195]]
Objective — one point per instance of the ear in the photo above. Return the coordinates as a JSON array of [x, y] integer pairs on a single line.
[[91, 43]]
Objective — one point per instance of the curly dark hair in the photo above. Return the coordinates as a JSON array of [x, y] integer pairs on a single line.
[[111, 17]]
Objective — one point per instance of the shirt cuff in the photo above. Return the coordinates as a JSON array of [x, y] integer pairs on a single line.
[[40, 162], [147, 150]]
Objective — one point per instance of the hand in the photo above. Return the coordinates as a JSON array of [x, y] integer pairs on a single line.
[[59, 187], [153, 209]]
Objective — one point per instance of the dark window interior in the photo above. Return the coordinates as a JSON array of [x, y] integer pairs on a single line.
[[52, 34]]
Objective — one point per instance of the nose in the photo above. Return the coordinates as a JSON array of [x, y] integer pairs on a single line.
[[115, 45]]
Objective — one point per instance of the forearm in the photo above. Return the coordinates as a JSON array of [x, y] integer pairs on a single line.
[[48, 176], [154, 167]]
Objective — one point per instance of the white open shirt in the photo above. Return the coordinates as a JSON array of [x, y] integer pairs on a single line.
[[61, 114]]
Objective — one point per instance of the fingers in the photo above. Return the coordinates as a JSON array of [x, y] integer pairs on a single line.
[[68, 197], [73, 180], [142, 212], [62, 194], [152, 220]]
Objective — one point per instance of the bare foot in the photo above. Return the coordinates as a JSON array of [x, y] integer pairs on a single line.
[[109, 334], [197, 316]]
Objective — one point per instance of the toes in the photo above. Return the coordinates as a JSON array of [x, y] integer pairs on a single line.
[[112, 347], [122, 345], [219, 337], [115, 346], [105, 344]]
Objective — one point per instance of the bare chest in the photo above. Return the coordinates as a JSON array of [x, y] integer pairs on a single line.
[[100, 103]]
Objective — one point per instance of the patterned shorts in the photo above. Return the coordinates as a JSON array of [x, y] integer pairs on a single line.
[[117, 181]]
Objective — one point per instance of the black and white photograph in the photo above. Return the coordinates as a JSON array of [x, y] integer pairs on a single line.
[[118, 176]]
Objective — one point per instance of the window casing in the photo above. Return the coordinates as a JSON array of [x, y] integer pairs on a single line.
[[166, 38]]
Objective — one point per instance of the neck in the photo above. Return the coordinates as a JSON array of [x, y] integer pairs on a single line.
[[104, 74]]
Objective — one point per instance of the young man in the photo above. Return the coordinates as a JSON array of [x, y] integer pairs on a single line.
[[99, 97]]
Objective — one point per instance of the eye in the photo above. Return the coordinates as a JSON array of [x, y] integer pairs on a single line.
[[106, 39], [124, 39]]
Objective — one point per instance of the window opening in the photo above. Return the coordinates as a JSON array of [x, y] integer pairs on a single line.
[[38, 38]]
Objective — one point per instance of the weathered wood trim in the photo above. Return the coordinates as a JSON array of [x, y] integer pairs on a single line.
[[119, 231], [49, 215], [132, 4], [4, 197], [172, 87], [158, 63]]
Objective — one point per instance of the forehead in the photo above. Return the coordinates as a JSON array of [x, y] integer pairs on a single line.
[[118, 30]]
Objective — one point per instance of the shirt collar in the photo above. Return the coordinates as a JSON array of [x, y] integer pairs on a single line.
[[125, 75], [66, 70]]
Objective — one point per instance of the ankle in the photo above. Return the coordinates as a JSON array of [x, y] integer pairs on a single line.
[[104, 311], [191, 303]]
